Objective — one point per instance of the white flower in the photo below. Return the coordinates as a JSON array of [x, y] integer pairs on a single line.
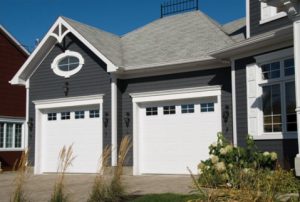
[[220, 166], [230, 165], [214, 145], [229, 148], [201, 166], [266, 153], [223, 151], [273, 156], [200, 171], [246, 170], [214, 159]]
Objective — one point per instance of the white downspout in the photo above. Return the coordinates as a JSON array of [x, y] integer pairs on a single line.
[[26, 129], [114, 136]]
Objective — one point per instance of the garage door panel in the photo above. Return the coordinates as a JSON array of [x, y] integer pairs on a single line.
[[85, 135], [170, 143]]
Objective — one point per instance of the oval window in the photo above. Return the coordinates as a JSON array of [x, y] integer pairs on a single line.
[[67, 64]]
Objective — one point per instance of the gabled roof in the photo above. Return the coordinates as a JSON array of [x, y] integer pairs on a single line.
[[107, 43], [183, 37], [179, 39], [14, 40]]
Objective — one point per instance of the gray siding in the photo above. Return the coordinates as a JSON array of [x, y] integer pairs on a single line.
[[181, 80], [286, 149], [91, 79], [256, 28]]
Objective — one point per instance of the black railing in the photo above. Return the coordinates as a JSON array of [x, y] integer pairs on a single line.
[[178, 6]]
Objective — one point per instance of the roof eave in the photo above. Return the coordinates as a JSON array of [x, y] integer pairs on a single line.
[[254, 43]]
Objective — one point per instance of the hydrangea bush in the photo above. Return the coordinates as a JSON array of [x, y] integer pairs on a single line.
[[227, 163]]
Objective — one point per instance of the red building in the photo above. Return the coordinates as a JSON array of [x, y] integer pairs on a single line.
[[12, 101]]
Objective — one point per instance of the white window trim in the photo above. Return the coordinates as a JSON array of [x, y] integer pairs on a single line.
[[271, 18], [14, 121], [258, 132], [167, 95], [67, 74]]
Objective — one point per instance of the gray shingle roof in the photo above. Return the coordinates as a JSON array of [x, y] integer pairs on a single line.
[[236, 29], [107, 43], [183, 37]]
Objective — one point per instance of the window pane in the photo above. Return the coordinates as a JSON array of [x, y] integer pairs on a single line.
[[79, 115], [189, 108], [9, 135], [290, 100], [51, 116], [65, 115], [1, 135], [289, 67], [94, 113], [169, 109], [18, 136], [151, 111], [272, 108], [68, 63], [271, 71]]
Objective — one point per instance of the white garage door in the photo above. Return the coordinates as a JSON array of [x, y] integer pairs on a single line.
[[80, 126], [175, 135]]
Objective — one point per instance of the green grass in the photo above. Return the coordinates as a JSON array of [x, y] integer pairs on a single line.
[[168, 197]]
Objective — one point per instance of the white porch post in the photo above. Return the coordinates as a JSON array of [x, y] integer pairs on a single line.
[[297, 83], [114, 137]]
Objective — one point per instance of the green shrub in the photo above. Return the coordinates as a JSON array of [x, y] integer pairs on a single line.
[[226, 162]]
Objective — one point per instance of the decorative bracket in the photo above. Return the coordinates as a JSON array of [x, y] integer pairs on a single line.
[[290, 6], [60, 32]]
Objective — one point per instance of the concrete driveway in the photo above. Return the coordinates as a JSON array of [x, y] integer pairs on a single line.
[[39, 187]]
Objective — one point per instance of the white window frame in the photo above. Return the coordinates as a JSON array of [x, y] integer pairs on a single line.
[[14, 122], [67, 74], [254, 92], [186, 109], [269, 13], [207, 107], [153, 111]]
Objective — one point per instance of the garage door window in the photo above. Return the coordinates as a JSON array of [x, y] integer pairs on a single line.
[[169, 110], [79, 115], [65, 115], [10, 135], [151, 111], [207, 107], [188, 108], [51, 116], [94, 113]]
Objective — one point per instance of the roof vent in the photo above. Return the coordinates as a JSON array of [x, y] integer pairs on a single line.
[[178, 6]]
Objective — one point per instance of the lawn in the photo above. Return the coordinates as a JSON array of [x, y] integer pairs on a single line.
[[168, 197]]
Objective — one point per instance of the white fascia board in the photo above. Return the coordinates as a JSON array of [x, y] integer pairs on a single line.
[[14, 40], [176, 94], [16, 80], [70, 101], [11, 120], [110, 66], [248, 19]]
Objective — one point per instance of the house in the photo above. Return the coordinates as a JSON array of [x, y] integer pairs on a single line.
[[171, 85], [12, 110]]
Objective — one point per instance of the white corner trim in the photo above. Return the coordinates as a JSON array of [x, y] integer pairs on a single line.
[[175, 94], [277, 55], [233, 93], [114, 123], [67, 53], [69, 101], [248, 19], [275, 17]]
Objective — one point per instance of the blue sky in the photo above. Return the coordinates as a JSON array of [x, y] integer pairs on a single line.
[[28, 20]]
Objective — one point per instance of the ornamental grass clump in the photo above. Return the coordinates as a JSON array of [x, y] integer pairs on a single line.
[[113, 190], [22, 173], [65, 161]]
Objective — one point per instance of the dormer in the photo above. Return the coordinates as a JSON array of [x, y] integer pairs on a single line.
[[265, 15]]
